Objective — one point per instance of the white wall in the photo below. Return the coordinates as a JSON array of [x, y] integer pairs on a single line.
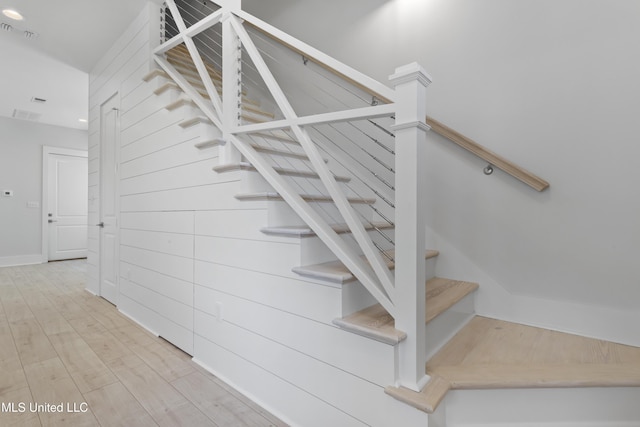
[[119, 72], [21, 171], [553, 87]]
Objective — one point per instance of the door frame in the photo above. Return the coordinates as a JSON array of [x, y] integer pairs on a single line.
[[114, 97], [46, 151]]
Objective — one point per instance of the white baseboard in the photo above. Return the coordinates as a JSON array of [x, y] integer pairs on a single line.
[[11, 261]]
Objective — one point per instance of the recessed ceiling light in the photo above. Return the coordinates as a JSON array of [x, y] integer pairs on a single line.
[[82, 120], [13, 14]]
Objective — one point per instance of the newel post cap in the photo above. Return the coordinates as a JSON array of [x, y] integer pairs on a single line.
[[410, 72]]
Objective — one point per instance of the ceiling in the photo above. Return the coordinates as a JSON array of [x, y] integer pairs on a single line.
[[72, 35]]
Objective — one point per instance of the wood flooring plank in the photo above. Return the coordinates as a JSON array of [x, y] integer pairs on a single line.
[[170, 363], [217, 403], [50, 383], [133, 334], [111, 319], [31, 342], [11, 373], [257, 408], [19, 415], [61, 344], [84, 366], [114, 406], [11, 378], [53, 324], [15, 308], [103, 343], [163, 402]]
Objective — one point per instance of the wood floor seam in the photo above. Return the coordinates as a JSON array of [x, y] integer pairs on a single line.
[[67, 344]]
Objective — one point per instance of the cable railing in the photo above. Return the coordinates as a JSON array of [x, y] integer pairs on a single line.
[[323, 136]]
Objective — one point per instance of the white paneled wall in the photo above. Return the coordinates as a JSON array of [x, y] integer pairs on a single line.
[[195, 269]]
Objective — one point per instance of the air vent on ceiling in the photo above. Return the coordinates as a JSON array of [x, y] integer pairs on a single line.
[[38, 100], [5, 27], [26, 115]]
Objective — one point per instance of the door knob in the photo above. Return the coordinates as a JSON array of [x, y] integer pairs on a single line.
[[52, 220], [101, 225]]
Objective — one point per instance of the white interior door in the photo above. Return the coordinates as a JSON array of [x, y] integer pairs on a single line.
[[109, 155], [67, 206]]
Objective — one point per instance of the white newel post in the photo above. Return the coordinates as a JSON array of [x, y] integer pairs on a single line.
[[410, 83], [231, 89]]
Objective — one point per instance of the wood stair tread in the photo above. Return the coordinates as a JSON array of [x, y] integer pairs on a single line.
[[179, 103], [208, 143], [258, 111], [442, 294], [192, 71], [337, 272], [282, 171], [194, 121], [304, 231], [307, 197], [375, 322], [426, 400], [186, 60]]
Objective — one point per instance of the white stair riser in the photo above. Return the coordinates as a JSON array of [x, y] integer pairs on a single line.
[[207, 132], [253, 182], [168, 96], [314, 251], [187, 111], [544, 407], [355, 297], [280, 214], [159, 80], [441, 329], [430, 265]]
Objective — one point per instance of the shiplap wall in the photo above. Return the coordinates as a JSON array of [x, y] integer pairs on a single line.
[[118, 73], [195, 269]]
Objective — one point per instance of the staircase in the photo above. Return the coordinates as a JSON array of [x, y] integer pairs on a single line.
[[361, 313], [341, 205]]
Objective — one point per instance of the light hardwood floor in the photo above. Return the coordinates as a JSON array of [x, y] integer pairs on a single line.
[[61, 345], [494, 354], [489, 353]]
